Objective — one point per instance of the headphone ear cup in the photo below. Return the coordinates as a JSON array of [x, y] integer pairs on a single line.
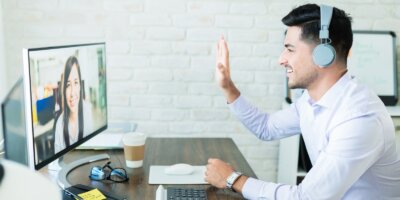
[[324, 55]]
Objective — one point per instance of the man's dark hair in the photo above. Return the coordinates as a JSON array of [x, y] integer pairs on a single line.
[[307, 17]]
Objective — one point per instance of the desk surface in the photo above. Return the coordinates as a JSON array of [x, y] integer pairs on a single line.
[[161, 151]]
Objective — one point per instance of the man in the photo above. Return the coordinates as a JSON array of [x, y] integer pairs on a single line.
[[348, 133]]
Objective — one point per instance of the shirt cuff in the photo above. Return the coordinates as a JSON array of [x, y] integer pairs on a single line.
[[254, 189], [239, 105]]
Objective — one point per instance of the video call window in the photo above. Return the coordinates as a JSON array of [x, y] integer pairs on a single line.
[[67, 96]]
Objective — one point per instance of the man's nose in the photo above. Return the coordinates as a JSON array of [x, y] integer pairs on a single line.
[[282, 59]]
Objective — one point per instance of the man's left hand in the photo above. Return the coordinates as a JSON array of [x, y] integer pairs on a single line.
[[217, 172]]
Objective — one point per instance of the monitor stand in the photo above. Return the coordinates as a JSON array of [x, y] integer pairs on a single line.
[[57, 164], [65, 169]]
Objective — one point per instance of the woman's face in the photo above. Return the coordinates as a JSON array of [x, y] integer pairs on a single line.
[[73, 89]]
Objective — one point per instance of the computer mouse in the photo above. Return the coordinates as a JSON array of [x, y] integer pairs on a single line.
[[179, 169]]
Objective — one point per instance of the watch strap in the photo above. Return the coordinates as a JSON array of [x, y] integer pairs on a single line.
[[232, 179]]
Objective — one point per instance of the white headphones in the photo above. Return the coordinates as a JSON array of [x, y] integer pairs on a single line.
[[324, 54]]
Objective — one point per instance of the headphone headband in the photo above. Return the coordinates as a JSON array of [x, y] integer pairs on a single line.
[[326, 16]]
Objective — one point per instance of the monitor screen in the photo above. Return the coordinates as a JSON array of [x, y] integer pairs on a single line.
[[66, 99], [372, 59], [14, 129]]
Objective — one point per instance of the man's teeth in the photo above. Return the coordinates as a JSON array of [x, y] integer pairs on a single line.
[[289, 70]]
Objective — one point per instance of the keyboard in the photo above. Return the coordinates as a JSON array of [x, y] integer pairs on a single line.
[[186, 194]]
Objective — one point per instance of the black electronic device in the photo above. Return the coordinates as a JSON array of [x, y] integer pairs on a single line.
[[174, 193], [47, 113], [71, 193]]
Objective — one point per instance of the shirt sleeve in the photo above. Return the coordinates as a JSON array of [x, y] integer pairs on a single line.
[[353, 147], [265, 126]]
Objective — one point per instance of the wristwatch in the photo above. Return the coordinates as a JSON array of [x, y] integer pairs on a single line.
[[232, 179]]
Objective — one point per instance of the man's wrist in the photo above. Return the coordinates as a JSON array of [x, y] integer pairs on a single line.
[[230, 181], [239, 183], [231, 93]]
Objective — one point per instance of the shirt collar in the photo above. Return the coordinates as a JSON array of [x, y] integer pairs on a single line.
[[330, 97]]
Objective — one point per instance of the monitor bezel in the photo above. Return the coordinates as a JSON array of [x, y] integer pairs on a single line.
[[28, 107]]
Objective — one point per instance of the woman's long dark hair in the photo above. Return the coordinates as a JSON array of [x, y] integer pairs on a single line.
[[68, 67]]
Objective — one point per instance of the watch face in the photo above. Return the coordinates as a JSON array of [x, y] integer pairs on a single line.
[[232, 178]]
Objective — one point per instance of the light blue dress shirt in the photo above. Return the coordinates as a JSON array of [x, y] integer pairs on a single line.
[[350, 139]]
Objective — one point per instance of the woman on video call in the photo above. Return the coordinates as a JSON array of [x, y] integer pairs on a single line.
[[75, 121]]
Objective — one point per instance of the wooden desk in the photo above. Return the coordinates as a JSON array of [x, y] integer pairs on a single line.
[[162, 151]]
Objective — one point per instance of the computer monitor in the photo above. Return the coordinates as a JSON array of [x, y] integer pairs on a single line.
[[65, 99], [373, 60], [14, 129]]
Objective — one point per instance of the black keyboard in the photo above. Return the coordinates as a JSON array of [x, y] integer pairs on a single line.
[[186, 194]]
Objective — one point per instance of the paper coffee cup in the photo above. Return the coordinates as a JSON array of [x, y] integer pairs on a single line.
[[134, 149]]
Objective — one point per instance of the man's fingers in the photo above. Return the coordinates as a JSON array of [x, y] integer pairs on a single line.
[[222, 51], [212, 160], [220, 48], [225, 51]]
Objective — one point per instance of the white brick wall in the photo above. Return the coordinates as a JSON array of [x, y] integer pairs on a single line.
[[160, 57], [3, 75]]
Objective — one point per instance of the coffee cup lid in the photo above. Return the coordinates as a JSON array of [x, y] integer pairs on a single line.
[[134, 138]]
